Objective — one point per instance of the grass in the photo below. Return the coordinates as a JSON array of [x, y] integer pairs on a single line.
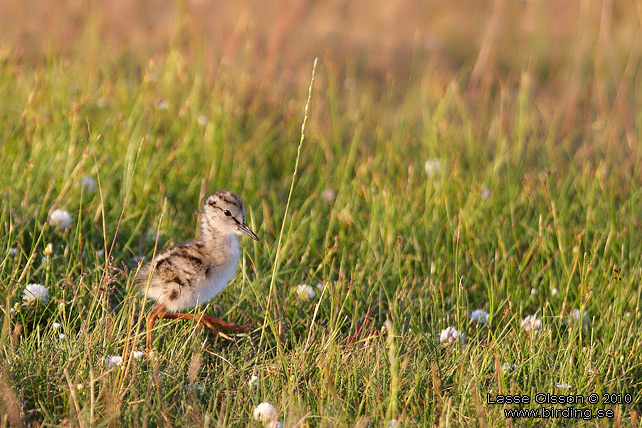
[[534, 210]]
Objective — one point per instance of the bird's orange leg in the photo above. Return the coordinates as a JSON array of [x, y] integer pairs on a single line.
[[151, 320], [210, 322]]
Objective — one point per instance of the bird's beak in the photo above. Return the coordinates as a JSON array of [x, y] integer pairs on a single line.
[[246, 229]]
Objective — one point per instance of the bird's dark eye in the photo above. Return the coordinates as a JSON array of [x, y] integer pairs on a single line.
[[228, 213]]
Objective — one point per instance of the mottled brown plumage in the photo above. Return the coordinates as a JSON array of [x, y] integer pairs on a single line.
[[195, 272]]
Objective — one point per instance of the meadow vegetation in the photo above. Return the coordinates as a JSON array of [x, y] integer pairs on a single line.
[[456, 158]]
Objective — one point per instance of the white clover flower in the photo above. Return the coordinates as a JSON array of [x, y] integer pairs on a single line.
[[137, 354], [576, 316], [554, 291], [35, 292], [113, 360], [433, 167], [60, 218], [62, 336], [305, 292], [531, 323], [485, 193], [13, 251], [56, 325], [563, 385], [480, 316], [88, 184], [202, 120], [328, 195], [449, 335], [507, 367], [265, 412], [253, 382], [393, 423]]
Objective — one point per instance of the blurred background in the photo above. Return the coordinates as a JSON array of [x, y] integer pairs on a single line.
[[580, 58]]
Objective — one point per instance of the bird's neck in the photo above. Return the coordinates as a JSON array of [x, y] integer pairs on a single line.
[[217, 240]]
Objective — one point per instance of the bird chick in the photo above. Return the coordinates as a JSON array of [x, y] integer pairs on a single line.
[[195, 272]]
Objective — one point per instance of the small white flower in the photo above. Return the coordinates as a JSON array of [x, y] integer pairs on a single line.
[[621, 358], [48, 250], [305, 292], [62, 336], [56, 325], [13, 251], [576, 316], [195, 387], [60, 218], [202, 120], [162, 104], [150, 236], [274, 424], [328, 195], [44, 260], [265, 412], [137, 354], [433, 167], [320, 286], [507, 367], [449, 335], [480, 316], [531, 323], [80, 386], [628, 314], [88, 184], [533, 291], [12, 310], [384, 328], [113, 360], [485, 193], [253, 382], [35, 292], [393, 423], [554, 291], [563, 385]]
